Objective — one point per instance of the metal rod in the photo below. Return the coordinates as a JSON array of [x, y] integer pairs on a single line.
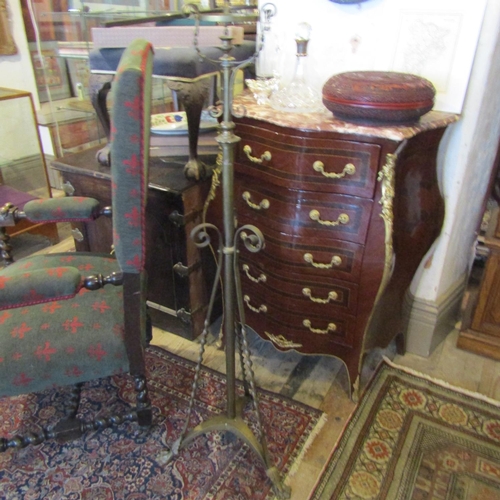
[[227, 140], [233, 421]]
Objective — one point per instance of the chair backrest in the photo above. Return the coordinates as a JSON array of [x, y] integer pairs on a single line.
[[130, 129]]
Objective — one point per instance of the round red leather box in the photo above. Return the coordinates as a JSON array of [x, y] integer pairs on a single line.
[[378, 96]]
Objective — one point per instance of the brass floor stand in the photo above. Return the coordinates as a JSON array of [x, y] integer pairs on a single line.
[[235, 337]]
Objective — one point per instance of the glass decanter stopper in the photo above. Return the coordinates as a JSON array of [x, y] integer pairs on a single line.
[[267, 59], [265, 65], [298, 96]]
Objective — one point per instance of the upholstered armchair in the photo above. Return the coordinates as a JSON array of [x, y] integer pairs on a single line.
[[69, 318]]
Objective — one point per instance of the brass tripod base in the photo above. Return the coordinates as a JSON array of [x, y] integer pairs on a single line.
[[240, 429]]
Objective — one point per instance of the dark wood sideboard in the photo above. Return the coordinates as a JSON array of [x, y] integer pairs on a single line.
[[179, 274], [347, 212]]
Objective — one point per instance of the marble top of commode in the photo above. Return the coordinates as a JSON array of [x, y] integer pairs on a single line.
[[326, 122]]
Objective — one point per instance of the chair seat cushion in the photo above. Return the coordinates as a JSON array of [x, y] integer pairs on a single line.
[[63, 342]]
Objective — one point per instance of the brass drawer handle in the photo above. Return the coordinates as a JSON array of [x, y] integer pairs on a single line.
[[316, 216], [263, 205], [332, 327], [258, 310], [331, 296], [349, 169], [262, 277], [281, 341], [336, 261], [266, 156]]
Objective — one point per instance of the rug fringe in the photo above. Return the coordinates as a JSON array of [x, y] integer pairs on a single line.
[[443, 383], [317, 428]]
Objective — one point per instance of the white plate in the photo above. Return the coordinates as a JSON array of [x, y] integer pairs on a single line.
[[176, 123]]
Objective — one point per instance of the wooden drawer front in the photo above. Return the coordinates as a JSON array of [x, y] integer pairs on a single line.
[[303, 214], [319, 296], [333, 167], [304, 330], [285, 254]]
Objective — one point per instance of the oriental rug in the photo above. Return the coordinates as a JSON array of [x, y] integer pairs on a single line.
[[128, 463], [414, 438]]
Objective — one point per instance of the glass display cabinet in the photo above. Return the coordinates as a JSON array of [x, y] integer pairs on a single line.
[[23, 172], [59, 34]]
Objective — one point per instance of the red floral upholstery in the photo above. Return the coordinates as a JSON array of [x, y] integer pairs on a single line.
[[62, 209], [129, 159], [38, 285], [54, 331], [66, 340]]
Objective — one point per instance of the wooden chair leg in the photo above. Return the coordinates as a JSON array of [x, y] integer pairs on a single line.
[[144, 412], [149, 328], [5, 248], [22, 441], [74, 402], [72, 427]]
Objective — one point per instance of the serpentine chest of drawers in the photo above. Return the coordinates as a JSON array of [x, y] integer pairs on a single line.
[[347, 213]]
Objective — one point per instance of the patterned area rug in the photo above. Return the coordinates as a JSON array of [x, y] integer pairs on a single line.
[[127, 463], [413, 438]]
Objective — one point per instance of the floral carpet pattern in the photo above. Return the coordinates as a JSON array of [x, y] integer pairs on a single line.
[[414, 438], [128, 463]]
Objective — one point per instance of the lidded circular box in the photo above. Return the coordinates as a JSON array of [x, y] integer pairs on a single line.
[[378, 96]]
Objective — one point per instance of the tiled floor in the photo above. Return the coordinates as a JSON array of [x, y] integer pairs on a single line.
[[321, 382]]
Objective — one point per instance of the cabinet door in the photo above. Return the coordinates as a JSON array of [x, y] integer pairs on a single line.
[[487, 314]]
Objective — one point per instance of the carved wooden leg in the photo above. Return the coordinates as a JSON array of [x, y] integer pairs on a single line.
[[193, 96], [73, 428], [7, 218], [70, 427], [5, 247], [100, 85], [25, 440], [74, 402], [144, 412]]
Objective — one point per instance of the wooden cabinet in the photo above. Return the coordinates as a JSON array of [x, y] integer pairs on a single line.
[[347, 212], [480, 331], [179, 274]]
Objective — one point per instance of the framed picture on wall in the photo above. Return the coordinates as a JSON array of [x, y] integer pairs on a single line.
[[7, 44]]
